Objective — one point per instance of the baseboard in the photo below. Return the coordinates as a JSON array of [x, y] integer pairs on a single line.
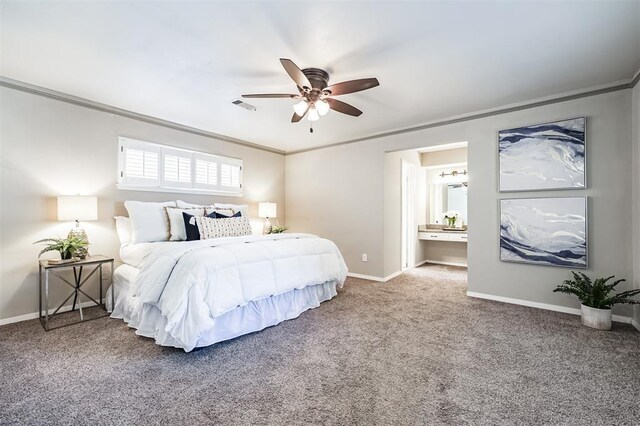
[[372, 278], [636, 324], [538, 305], [437, 262], [35, 315], [365, 277], [392, 276], [397, 273]]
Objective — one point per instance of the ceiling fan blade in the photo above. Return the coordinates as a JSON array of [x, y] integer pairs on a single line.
[[295, 73], [274, 95], [297, 117], [352, 86], [343, 107]]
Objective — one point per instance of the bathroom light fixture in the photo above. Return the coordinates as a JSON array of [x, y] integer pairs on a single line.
[[453, 173]]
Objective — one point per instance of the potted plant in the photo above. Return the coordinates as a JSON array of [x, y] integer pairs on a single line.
[[278, 229], [451, 217], [67, 247], [596, 299]]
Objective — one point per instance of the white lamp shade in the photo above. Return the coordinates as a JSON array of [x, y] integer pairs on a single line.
[[301, 107], [313, 114], [322, 107], [267, 209], [77, 207]]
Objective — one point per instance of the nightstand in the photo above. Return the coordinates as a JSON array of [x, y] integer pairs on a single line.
[[46, 268]]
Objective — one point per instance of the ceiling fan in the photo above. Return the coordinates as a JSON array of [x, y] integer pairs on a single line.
[[316, 96]]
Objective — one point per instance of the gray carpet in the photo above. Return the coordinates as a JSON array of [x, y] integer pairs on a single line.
[[415, 350]]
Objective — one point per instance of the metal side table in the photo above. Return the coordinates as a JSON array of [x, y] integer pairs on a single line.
[[47, 268]]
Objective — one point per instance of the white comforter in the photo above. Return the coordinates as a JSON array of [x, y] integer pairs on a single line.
[[192, 283]]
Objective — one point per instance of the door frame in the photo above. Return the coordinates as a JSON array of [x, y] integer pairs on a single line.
[[407, 212]]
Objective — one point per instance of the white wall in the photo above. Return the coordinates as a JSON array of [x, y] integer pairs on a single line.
[[50, 148], [636, 193], [336, 192], [444, 157]]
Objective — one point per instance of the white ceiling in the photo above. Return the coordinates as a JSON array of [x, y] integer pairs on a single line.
[[186, 61]]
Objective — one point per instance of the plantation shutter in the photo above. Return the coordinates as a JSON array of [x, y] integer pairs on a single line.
[[231, 175], [206, 176], [176, 168], [139, 163], [147, 166]]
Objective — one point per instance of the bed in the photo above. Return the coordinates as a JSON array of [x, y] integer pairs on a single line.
[[190, 294]]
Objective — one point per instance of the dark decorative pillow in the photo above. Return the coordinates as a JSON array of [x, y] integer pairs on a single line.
[[191, 226], [224, 216]]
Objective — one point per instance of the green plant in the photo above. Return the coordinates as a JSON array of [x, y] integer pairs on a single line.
[[596, 294], [67, 247], [278, 229]]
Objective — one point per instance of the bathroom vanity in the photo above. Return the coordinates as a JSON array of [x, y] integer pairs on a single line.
[[447, 191], [435, 234]]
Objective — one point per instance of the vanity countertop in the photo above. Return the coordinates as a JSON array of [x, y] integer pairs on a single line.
[[426, 228]]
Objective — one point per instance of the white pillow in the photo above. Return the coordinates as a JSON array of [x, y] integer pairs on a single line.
[[225, 209], [149, 221], [217, 228], [185, 205], [123, 228], [242, 208], [176, 221]]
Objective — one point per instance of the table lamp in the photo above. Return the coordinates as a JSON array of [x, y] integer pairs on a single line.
[[267, 210], [77, 208]]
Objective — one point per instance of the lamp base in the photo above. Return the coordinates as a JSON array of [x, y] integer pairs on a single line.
[[266, 229], [78, 232]]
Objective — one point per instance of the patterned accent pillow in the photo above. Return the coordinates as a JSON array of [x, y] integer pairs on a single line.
[[176, 222], [191, 226], [226, 212], [219, 215], [218, 228]]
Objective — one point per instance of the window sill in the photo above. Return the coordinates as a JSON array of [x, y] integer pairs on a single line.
[[123, 187]]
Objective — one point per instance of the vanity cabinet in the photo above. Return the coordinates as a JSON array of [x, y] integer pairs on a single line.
[[443, 236]]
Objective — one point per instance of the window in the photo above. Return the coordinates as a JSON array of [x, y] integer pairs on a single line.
[[176, 168], [230, 175], [148, 166]]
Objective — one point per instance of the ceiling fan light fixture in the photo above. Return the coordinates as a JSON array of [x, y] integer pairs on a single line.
[[322, 107], [300, 107], [313, 114], [315, 96]]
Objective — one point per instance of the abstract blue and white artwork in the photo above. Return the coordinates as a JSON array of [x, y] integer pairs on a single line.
[[543, 156], [544, 231]]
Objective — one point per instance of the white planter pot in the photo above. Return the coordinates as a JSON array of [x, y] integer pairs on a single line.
[[596, 318]]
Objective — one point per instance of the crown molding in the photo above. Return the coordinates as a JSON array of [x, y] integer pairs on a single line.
[[599, 90], [75, 100], [635, 80]]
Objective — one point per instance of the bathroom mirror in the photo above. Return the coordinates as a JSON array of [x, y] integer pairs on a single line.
[[447, 196]]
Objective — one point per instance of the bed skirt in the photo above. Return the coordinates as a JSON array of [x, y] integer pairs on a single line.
[[255, 316]]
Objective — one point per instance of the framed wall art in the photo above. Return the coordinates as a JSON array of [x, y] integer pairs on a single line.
[[545, 156], [544, 231]]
